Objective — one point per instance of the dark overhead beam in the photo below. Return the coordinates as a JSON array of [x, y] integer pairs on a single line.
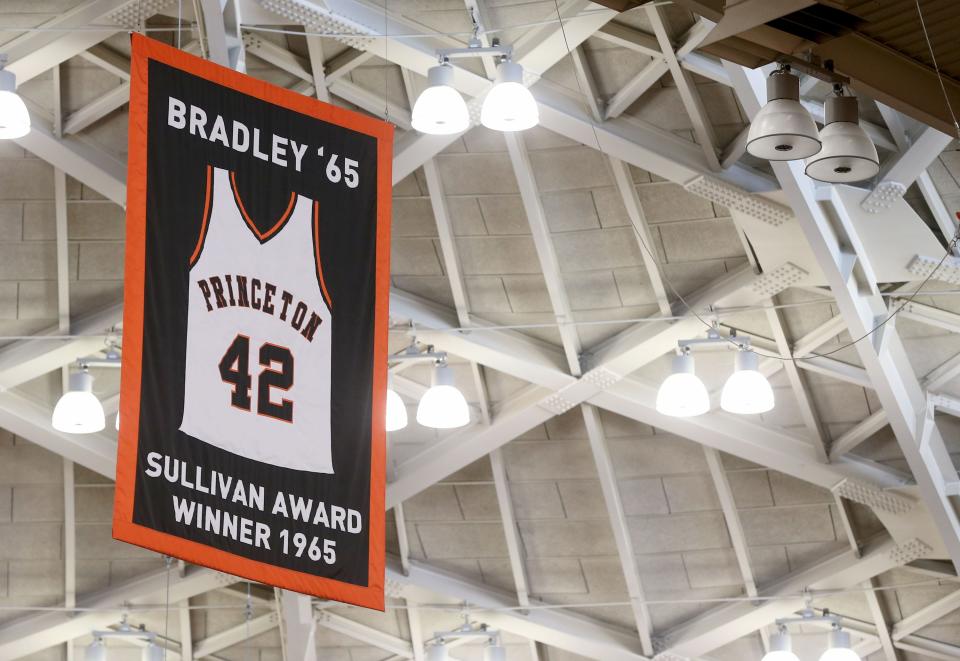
[[894, 79], [709, 9], [753, 13]]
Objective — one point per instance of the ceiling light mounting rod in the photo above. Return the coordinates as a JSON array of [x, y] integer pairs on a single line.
[[446, 54], [813, 67]]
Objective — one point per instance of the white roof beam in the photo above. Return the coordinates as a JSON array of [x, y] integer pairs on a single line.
[[835, 243], [725, 624], [221, 25], [926, 616], [631, 201], [903, 169], [880, 621], [109, 60], [689, 95], [543, 243], [567, 631], [618, 521], [581, 67], [234, 635], [33, 633], [299, 626], [363, 633]]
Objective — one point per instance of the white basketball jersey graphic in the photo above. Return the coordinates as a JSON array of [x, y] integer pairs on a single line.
[[259, 331]]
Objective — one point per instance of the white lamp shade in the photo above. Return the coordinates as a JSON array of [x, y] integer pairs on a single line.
[[396, 411], [437, 652], [747, 391], [494, 653], [443, 406], [783, 130], [509, 106], [152, 652], [96, 651], [780, 649], [79, 411], [682, 394], [848, 155], [440, 110], [14, 118], [839, 649]]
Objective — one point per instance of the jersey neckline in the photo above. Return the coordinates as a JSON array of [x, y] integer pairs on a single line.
[[263, 237]]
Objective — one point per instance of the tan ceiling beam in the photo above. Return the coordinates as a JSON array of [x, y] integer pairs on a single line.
[[749, 14], [894, 79]]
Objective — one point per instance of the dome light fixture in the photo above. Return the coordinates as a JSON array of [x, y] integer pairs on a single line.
[[783, 130], [848, 154], [396, 411], [96, 651], [153, 652], [440, 110], [494, 651], [509, 106], [780, 647], [747, 391], [438, 651], [443, 405], [79, 411], [682, 394], [14, 118], [839, 649]]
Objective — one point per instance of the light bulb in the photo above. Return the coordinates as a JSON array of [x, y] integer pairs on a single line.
[[839, 649], [152, 652], [96, 651], [79, 411], [747, 391], [440, 110], [780, 648], [443, 406], [783, 130], [396, 411], [682, 394], [14, 118], [509, 106], [848, 154], [437, 652]]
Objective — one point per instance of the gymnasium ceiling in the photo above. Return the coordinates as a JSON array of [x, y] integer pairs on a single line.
[[631, 207]]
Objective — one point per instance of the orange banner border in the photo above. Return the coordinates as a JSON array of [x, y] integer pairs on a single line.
[[124, 529]]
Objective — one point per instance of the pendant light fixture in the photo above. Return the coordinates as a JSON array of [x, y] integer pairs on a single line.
[[682, 394], [79, 411], [509, 106], [443, 406], [839, 649], [153, 652], [783, 130], [747, 391], [396, 411], [494, 651], [440, 110], [780, 647], [14, 118], [96, 651], [848, 154], [438, 652]]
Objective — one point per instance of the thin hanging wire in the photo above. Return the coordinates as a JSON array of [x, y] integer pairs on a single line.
[[953, 243], [179, 24], [936, 67], [166, 619]]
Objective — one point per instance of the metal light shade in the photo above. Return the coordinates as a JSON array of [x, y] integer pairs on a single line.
[[14, 118], [747, 391], [437, 652], [440, 110], [396, 411], [780, 649], [848, 154], [79, 411], [509, 106], [682, 394], [96, 651], [493, 652], [839, 649], [153, 652], [443, 406], [783, 130]]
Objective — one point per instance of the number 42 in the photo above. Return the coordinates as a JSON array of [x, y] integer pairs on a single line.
[[235, 370]]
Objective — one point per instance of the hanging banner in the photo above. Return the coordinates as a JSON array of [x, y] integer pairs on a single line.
[[254, 331]]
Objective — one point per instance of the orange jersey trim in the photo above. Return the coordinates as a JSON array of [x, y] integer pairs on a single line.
[[316, 254], [206, 218], [124, 528], [246, 217]]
